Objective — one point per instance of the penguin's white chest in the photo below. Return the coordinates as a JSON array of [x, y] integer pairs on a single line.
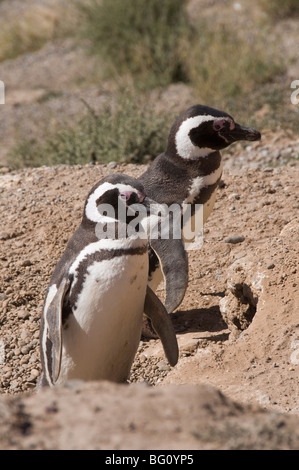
[[198, 184], [101, 337], [192, 227]]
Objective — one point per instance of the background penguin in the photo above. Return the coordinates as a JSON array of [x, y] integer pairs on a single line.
[[92, 317], [188, 171]]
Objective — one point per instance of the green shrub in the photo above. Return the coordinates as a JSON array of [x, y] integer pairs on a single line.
[[141, 37], [132, 132], [229, 69], [154, 42], [226, 64]]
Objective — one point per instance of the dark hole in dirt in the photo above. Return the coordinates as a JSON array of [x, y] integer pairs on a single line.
[[240, 306], [199, 320]]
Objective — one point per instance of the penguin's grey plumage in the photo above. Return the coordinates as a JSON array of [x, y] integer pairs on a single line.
[[188, 172], [92, 316]]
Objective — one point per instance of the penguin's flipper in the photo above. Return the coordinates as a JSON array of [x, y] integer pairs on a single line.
[[174, 264], [53, 325], [161, 321]]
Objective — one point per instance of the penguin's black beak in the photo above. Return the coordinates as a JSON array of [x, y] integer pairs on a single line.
[[243, 133]]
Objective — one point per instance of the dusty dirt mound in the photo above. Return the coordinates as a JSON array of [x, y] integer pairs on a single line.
[[237, 328], [137, 417]]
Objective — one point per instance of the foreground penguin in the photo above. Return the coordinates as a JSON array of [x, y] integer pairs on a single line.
[[188, 172], [92, 317]]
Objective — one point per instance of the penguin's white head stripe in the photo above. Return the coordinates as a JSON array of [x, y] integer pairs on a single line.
[[50, 296], [91, 210], [184, 146]]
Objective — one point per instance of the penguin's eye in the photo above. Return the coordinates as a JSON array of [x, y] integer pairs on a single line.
[[125, 196], [219, 124], [131, 196]]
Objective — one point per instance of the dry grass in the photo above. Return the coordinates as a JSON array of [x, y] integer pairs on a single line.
[[139, 37], [156, 43], [226, 63], [232, 69], [35, 26]]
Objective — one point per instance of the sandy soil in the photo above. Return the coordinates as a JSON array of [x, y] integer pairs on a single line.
[[236, 385]]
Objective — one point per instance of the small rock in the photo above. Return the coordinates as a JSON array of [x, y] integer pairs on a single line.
[[34, 373], [14, 384], [111, 165], [5, 169], [190, 347], [4, 235], [234, 239], [271, 266], [23, 314], [33, 358], [275, 184], [25, 349], [26, 262], [25, 359], [234, 196], [142, 358], [25, 334], [163, 366], [263, 398], [5, 304]]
